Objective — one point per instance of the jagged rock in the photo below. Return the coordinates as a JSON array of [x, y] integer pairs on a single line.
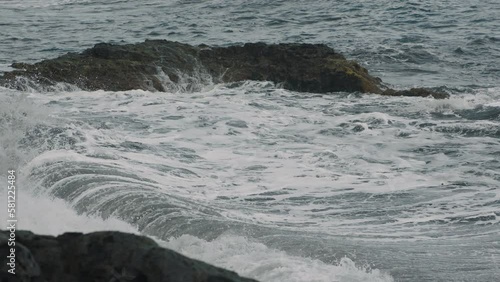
[[103, 256], [161, 64]]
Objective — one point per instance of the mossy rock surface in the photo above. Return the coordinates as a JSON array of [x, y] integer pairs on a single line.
[[156, 65]]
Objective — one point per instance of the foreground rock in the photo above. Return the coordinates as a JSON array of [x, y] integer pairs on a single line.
[[102, 256], [160, 65]]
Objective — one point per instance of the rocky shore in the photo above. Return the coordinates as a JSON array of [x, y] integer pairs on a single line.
[[102, 256], [161, 65]]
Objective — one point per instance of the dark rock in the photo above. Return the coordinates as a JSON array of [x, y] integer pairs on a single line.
[[161, 65], [416, 92], [299, 67], [103, 256], [26, 267]]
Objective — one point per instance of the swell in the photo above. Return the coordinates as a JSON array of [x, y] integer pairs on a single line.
[[104, 188], [329, 174]]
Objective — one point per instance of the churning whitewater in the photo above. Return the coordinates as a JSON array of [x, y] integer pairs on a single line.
[[295, 185], [273, 184]]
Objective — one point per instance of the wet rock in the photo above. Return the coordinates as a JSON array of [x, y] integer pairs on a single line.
[[298, 67], [104, 256], [160, 65], [113, 67], [26, 267], [416, 92]]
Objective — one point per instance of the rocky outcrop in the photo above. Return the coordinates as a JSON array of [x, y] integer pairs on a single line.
[[160, 64], [299, 67], [102, 256]]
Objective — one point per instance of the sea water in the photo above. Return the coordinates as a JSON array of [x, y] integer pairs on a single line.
[[273, 184]]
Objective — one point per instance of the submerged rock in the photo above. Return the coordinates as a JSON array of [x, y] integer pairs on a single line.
[[103, 256], [416, 92], [161, 65]]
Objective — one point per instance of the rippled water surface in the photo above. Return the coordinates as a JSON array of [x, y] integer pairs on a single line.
[[423, 42], [276, 185]]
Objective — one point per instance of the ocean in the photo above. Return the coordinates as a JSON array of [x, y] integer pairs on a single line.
[[273, 184]]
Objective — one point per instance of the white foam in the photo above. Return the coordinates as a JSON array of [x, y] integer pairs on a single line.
[[327, 165], [255, 260], [282, 135], [18, 113], [50, 216]]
